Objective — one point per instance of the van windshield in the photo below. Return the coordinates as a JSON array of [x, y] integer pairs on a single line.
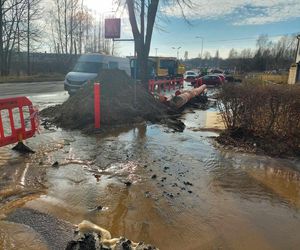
[[87, 67]]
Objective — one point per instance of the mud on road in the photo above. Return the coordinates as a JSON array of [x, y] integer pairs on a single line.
[[149, 183]]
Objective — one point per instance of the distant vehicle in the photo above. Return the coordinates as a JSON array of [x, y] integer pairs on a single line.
[[223, 78], [88, 67], [212, 80], [160, 67], [216, 71], [190, 76]]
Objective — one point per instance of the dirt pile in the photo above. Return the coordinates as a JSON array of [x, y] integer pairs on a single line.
[[122, 102]]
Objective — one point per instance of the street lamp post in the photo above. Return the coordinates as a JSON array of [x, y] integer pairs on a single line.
[[298, 49], [177, 51], [202, 39]]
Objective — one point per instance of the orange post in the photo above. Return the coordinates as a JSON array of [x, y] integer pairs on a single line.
[[97, 92]]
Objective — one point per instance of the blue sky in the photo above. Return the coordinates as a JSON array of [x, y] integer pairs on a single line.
[[217, 35], [216, 20]]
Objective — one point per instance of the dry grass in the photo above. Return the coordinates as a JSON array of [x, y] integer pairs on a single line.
[[32, 78], [269, 78]]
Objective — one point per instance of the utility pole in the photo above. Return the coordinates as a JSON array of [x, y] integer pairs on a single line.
[[202, 38], [298, 49], [156, 51], [1, 37], [177, 51], [28, 37]]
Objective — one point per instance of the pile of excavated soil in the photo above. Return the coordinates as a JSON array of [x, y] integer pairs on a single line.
[[122, 102]]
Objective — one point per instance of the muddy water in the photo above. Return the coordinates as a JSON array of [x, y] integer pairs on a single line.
[[186, 193]]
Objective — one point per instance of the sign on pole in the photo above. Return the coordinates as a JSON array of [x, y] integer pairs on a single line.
[[112, 28]]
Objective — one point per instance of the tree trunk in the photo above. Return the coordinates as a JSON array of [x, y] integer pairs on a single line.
[[1, 37], [71, 28], [59, 27], [142, 40], [66, 27], [28, 37]]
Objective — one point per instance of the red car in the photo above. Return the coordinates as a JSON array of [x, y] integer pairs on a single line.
[[222, 77], [212, 80]]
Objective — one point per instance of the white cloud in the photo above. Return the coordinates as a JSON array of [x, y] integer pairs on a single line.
[[241, 12]]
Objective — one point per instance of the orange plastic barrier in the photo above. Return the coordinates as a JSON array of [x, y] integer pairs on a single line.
[[18, 132]]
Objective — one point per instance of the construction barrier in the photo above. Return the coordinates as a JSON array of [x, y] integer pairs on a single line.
[[18, 120], [97, 94], [198, 82], [165, 84]]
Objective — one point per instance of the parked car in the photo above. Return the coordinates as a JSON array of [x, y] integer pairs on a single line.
[[88, 66], [223, 78], [190, 76], [212, 80]]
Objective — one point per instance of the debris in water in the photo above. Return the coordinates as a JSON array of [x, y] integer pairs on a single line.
[[171, 195], [55, 164], [187, 183], [91, 236], [127, 183], [99, 207], [97, 176]]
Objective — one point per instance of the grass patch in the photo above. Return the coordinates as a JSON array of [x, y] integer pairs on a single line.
[[32, 78], [268, 78]]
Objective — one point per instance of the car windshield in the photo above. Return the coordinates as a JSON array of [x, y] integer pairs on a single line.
[[87, 67], [190, 73]]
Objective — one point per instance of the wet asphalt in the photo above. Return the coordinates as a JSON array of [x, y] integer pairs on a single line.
[[29, 89]]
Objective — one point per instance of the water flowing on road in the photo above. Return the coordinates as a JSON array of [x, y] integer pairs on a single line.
[[148, 183]]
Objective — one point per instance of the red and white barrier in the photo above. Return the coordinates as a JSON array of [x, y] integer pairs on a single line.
[[16, 130], [164, 84]]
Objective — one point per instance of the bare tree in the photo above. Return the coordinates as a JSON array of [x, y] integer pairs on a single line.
[[74, 29], [142, 16], [17, 25]]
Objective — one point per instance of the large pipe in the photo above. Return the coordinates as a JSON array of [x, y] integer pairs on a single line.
[[185, 96]]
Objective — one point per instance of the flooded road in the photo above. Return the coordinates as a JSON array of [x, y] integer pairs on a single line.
[[173, 190]]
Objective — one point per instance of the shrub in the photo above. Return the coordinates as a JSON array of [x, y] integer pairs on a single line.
[[262, 110]]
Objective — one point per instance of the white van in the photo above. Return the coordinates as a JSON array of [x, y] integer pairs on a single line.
[[88, 67]]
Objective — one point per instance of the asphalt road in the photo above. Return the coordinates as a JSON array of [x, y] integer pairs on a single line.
[[42, 94], [29, 89]]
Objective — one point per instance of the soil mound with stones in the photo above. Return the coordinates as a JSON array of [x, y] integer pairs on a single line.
[[122, 102]]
